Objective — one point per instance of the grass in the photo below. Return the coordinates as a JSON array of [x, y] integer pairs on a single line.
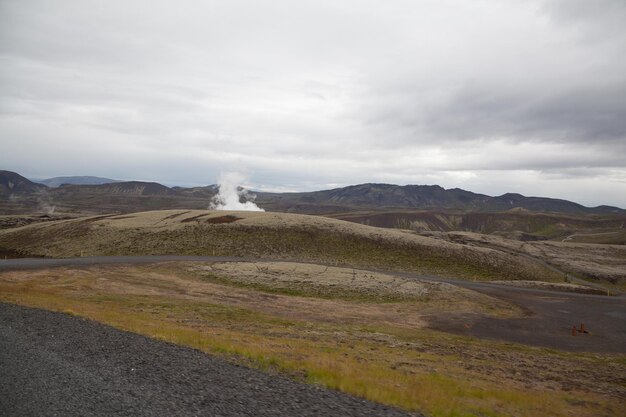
[[415, 369], [305, 289]]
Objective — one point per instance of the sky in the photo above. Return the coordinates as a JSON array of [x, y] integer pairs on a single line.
[[491, 96]]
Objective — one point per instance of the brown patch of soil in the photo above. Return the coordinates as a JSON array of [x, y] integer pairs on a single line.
[[190, 219], [173, 216], [223, 219]]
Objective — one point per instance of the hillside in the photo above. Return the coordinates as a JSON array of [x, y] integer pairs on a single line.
[[138, 188], [266, 235], [71, 199], [12, 183], [516, 224]]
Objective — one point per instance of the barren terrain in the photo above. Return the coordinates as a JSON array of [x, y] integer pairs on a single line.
[[330, 326]]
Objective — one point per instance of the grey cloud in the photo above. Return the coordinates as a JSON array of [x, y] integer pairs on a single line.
[[301, 95], [597, 21], [593, 113]]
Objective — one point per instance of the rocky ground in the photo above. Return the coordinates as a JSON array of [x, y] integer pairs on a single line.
[[56, 364]]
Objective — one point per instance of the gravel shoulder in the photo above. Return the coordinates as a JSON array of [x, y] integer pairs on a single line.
[[57, 364]]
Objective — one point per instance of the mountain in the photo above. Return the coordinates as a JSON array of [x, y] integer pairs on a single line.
[[138, 188], [76, 180], [206, 192], [422, 208], [138, 195], [388, 196], [12, 183], [125, 197]]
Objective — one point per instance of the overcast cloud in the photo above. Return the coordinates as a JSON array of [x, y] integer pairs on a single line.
[[491, 96]]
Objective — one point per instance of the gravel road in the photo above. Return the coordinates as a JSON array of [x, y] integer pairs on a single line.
[[53, 364]]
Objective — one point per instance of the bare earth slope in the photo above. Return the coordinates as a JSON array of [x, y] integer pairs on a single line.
[[270, 236]]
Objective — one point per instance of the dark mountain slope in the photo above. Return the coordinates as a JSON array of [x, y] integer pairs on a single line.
[[14, 183], [138, 188]]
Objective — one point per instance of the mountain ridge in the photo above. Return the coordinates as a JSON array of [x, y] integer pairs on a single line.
[[372, 196], [378, 195], [75, 180]]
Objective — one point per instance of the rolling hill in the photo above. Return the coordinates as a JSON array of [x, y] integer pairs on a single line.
[[268, 236]]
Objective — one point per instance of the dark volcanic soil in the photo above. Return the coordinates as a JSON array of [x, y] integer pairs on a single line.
[[549, 319], [53, 364]]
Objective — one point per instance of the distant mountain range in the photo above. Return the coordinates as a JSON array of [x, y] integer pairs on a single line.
[[388, 196], [76, 180], [17, 194]]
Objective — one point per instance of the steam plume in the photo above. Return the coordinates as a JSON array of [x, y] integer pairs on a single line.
[[230, 194], [44, 202]]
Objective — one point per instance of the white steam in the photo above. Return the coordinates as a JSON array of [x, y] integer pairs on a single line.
[[230, 193], [44, 202]]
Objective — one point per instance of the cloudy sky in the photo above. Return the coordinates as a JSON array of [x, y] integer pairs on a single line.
[[492, 96]]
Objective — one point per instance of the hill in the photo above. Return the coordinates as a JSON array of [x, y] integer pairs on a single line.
[[12, 183], [75, 180], [138, 188], [19, 195], [26, 197], [517, 224], [269, 236]]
